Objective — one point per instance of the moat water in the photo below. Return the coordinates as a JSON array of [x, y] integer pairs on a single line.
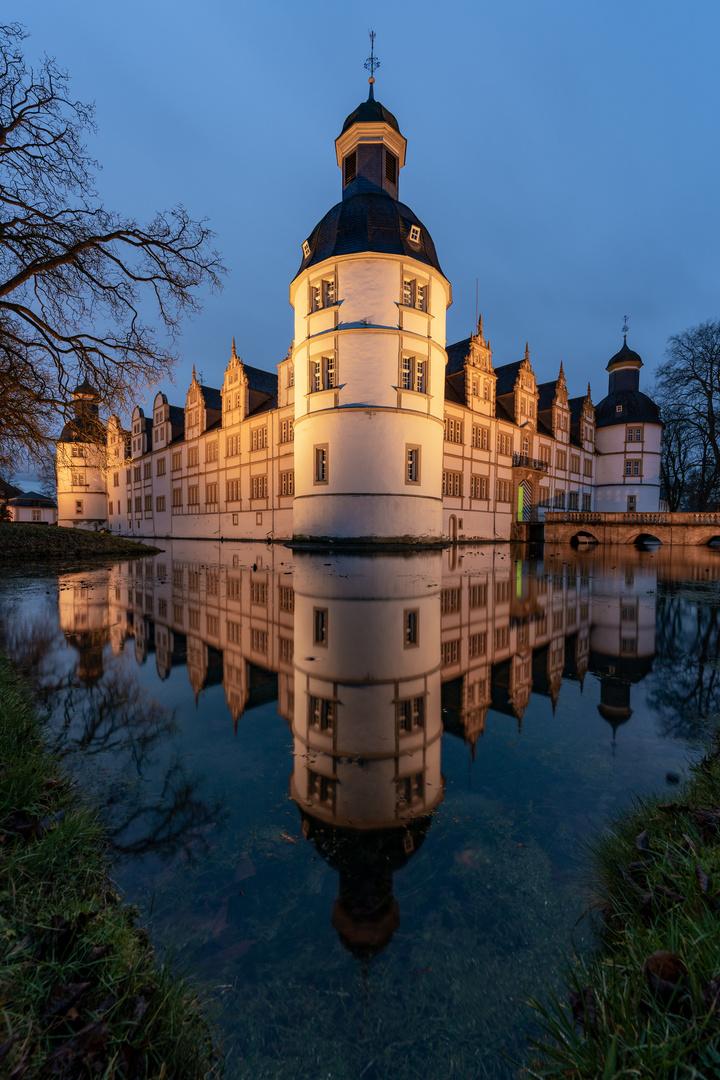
[[352, 794]]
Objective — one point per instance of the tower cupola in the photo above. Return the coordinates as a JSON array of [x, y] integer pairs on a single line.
[[370, 150], [624, 368]]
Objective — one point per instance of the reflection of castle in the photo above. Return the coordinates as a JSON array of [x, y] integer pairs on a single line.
[[370, 659]]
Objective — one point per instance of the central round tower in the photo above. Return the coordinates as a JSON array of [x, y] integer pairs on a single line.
[[369, 357]]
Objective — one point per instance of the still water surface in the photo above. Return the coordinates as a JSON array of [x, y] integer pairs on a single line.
[[352, 793]]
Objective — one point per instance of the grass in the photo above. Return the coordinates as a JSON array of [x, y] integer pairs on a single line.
[[647, 1004], [81, 992], [26, 543]]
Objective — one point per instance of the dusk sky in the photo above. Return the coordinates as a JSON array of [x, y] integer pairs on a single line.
[[564, 153]]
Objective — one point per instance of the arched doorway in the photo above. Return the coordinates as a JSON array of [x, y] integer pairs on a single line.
[[524, 511], [453, 527]]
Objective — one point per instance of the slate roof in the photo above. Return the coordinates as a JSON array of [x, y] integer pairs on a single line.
[[177, 415], [370, 112], [506, 378], [32, 498], [369, 221], [258, 379], [457, 354], [85, 387], [212, 397], [576, 407], [8, 491], [455, 388], [623, 356], [636, 408], [546, 394], [83, 429]]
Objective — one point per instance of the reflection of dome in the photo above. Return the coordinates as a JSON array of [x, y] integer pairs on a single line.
[[366, 913], [89, 646]]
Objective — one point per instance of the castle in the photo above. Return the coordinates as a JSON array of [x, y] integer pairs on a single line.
[[373, 430]]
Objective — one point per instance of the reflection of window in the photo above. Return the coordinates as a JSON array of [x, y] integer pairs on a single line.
[[411, 627], [410, 790], [322, 713], [287, 598], [449, 600], [477, 645], [449, 652], [410, 714], [627, 645], [320, 626], [628, 611], [478, 596], [321, 789], [258, 593], [259, 641], [501, 637]]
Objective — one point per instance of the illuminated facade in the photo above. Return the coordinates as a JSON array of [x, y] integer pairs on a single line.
[[372, 430]]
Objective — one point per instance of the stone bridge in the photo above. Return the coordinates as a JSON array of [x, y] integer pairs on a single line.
[[694, 529]]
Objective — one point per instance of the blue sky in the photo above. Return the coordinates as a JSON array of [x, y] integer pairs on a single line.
[[564, 153]]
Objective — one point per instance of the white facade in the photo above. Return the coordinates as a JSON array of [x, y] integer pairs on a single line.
[[373, 431]]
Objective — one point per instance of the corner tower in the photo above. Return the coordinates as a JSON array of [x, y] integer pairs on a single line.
[[369, 359]]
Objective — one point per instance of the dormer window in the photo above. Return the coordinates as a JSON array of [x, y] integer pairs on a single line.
[[350, 167], [618, 408], [390, 167], [306, 249], [414, 234]]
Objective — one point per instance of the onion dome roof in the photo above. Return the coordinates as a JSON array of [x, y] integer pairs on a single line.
[[85, 387], [369, 221], [371, 112], [626, 407], [625, 356]]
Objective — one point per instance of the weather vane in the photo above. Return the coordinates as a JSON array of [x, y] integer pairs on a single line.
[[372, 62], [625, 324]]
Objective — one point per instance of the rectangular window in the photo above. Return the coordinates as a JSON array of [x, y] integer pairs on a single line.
[[160, 468], [573, 500], [502, 637], [212, 624], [631, 504], [234, 633], [414, 294], [232, 445], [177, 496], [259, 487], [287, 649], [453, 430], [449, 600], [116, 479], [575, 463], [177, 460], [110, 512], [586, 502], [138, 504], [411, 620], [413, 375], [412, 464], [321, 713], [259, 593], [78, 506], [450, 652], [545, 454], [148, 503], [561, 459], [78, 451], [503, 491], [478, 596], [259, 438], [233, 587], [147, 470], [477, 645], [323, 374], [320, 626], [504, 443], [478, 487], [193, 456], [287, 598], [410, 715], [480, 437], [321, 464], [211, 451], [193, 495], [502, 592], [587, 467], [232, 490], [545, 496], [559, 500], [390, 167], [452, 483], [632, 468], [287, 482], [160, 503], [259, 641], [211, 493], [634, 434], [287, 431], [136, 472]]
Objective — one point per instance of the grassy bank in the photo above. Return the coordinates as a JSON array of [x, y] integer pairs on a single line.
[[648, 1003], [81, 993], [25, 543]]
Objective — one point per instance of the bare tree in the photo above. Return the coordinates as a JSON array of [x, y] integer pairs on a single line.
[[82, 289], [687, 389]]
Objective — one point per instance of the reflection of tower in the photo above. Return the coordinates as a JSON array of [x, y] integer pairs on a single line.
[[367, 726], [83, 610], [622, 640]]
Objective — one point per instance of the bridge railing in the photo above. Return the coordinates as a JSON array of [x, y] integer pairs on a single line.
[[585, 517]]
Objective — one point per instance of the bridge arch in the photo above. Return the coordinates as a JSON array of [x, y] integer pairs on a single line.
[[582, 537], [645, 539]]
